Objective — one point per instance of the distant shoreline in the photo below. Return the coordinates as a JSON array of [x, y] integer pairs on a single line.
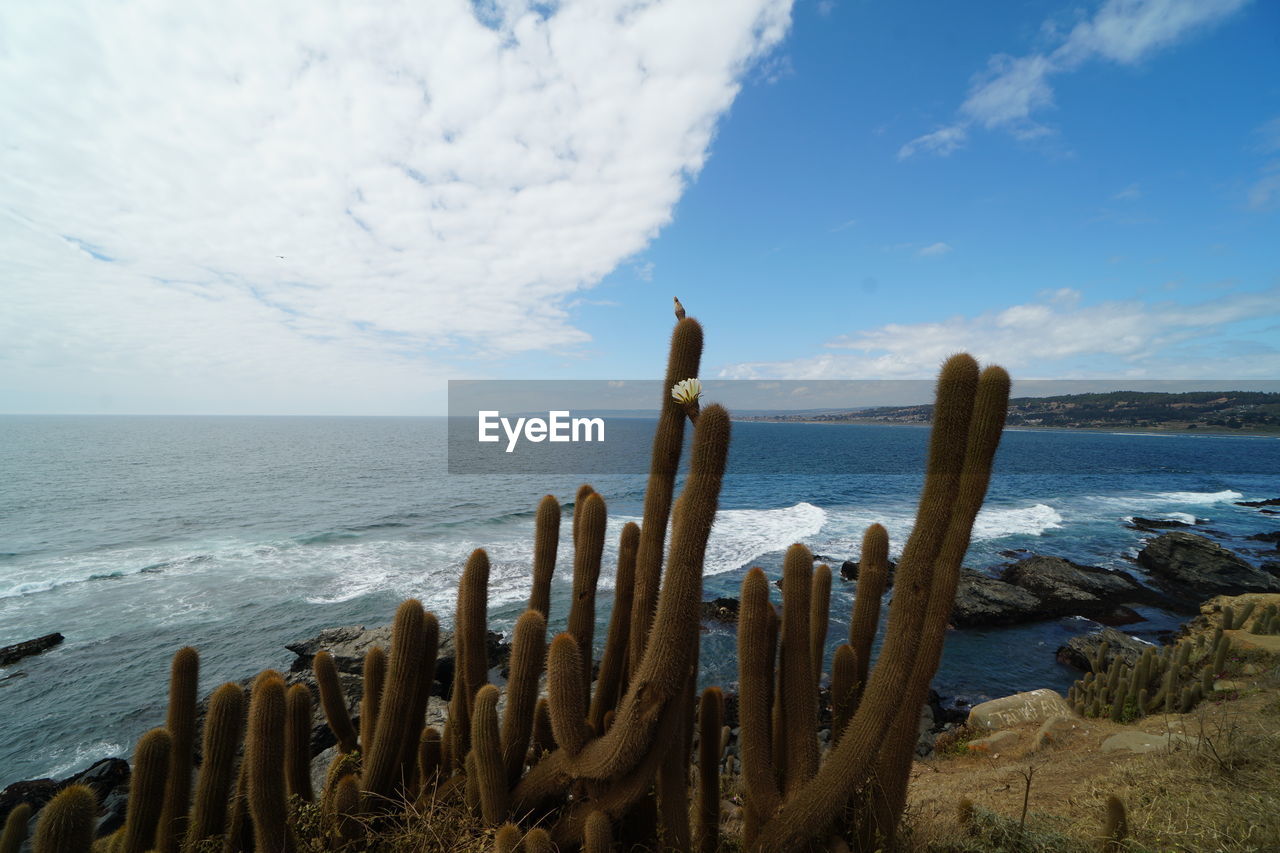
[[1157, 431]]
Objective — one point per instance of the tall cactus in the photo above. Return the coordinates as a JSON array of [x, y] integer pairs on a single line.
[[334, 701], [546, 541], [297, 746], [65, 824], [819, 616], [181, 724], [589, 518], [15, 828], [613, 664], [528, 654], [413, 635], [873, 575], [710, 719], [146, 791], [223, 729], [797, 683], [470, 669], [264, 757], [374, 674], [486, 750]]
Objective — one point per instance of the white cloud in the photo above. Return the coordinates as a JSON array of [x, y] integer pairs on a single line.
[[1133, 192], [1054, 338], [1011, 89], [335, 198], [934, 249]]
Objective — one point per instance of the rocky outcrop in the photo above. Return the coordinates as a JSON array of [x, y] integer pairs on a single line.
[[108, 778], [723, 610], [1153, 524], [1191, 568], [18, 651], [849, 570], [1079, 650], [1034, 706], [1262, 503], [1040, 587]]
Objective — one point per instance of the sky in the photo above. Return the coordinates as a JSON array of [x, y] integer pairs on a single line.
[[326, 208]]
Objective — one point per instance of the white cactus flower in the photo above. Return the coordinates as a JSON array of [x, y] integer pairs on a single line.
[[686, 391]]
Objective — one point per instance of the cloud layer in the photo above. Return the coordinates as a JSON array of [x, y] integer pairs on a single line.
[[1056, 337], [1011, 89], [333, 194]]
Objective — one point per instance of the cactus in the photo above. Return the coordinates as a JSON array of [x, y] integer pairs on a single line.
[[589, 518], [333, 701], [528, 651], [544, 739], [414, 636], [873, 574], [430, 759], [537, 841], [374, 674], [486, 752], [471, 665], [15, 828], [65, 824], [1115, 825], [181, 724], [597, 836], [756, 653], [223, 729], [797, 684], [1228, 618], [683, 361], [1220, 655], [964, 815], [506, 839], [819, 614], [564, 692], [546, 541], [346, 807], [844, 668], [264, 757], [297, 742], [710, 720], [613, 664]]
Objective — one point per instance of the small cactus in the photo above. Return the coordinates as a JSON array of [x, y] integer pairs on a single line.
[[65, 824]]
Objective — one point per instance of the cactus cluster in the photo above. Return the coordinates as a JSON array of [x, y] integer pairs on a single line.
[[610, 760], [1267, 622], [1173, 679]]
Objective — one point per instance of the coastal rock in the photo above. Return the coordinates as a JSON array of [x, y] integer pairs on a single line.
[[1273, 536], [1153, 524], [1072, 589], [1262, 503], [108, 778], [1081, 649], [18, 651], [982, 600], [1034, 706], [1191, 568], [849, 570], [720, 610]]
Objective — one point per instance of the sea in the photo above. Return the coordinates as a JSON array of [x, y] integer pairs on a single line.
[[135, 536]]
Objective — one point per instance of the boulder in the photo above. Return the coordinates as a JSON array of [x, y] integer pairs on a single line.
[[849, 570], [983, 600], [1262, 503], [1034, 706], [1157, 523], [1137, 741], [18, 651], [1191, 568], [1080, 649], [720, 610], [1071, 589], [993, 743], [108, 778]]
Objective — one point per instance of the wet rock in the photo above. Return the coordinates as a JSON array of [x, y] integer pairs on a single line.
[[982, 600], [1081, 649], [108, 778], [1191, 568], [1153, 524], [1262, 503], [18, 651], [1071, 589], [723, 610], [849, 570]]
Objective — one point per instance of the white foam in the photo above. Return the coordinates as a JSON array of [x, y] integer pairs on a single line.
[[1199, 497], [79, 758], [741, 535], [999, 522]]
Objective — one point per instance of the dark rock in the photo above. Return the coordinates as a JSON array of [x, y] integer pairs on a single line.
[[849, 570], [33, 792], [1078, 650], [1072, 589], [983, 600], [1191, 568], [1157, 523], [720, 610], [18, 651], [1256, 504], [1015, 553], [1273, 536], [109, 779]]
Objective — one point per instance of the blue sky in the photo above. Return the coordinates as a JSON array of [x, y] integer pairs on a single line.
[[338, 213]]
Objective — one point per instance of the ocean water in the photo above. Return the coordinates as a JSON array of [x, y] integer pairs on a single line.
[[134, 536]]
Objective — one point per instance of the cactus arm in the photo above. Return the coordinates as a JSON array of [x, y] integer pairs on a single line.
[[528, 652], [333, 701], [486, 751], [590, 518], [181, 724], [297, 742], [383, 762], [374, 675], [755, 704], [609, 683], [146, 791], [546, 541], [264, 756]]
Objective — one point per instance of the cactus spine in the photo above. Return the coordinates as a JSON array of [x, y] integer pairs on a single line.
[[334, 701], [181, 724], [223, 729], [264, 757], [66, 823]]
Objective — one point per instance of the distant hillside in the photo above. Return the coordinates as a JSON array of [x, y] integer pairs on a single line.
[[1250, 411]]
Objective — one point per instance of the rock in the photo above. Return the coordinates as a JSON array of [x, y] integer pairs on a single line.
[[1246, 642], [1190, 568], [1136, 741], [1224, 685], [1071, 589], [993, 743], [849, 570], [1157, 523], [1080, 649], [109, 779], [1256, 504], [723, 610], [18, 651], [1273, 536], [983, 600], [1031, 707]]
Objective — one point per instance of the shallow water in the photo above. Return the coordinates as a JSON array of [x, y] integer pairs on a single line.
[[136, 536]]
